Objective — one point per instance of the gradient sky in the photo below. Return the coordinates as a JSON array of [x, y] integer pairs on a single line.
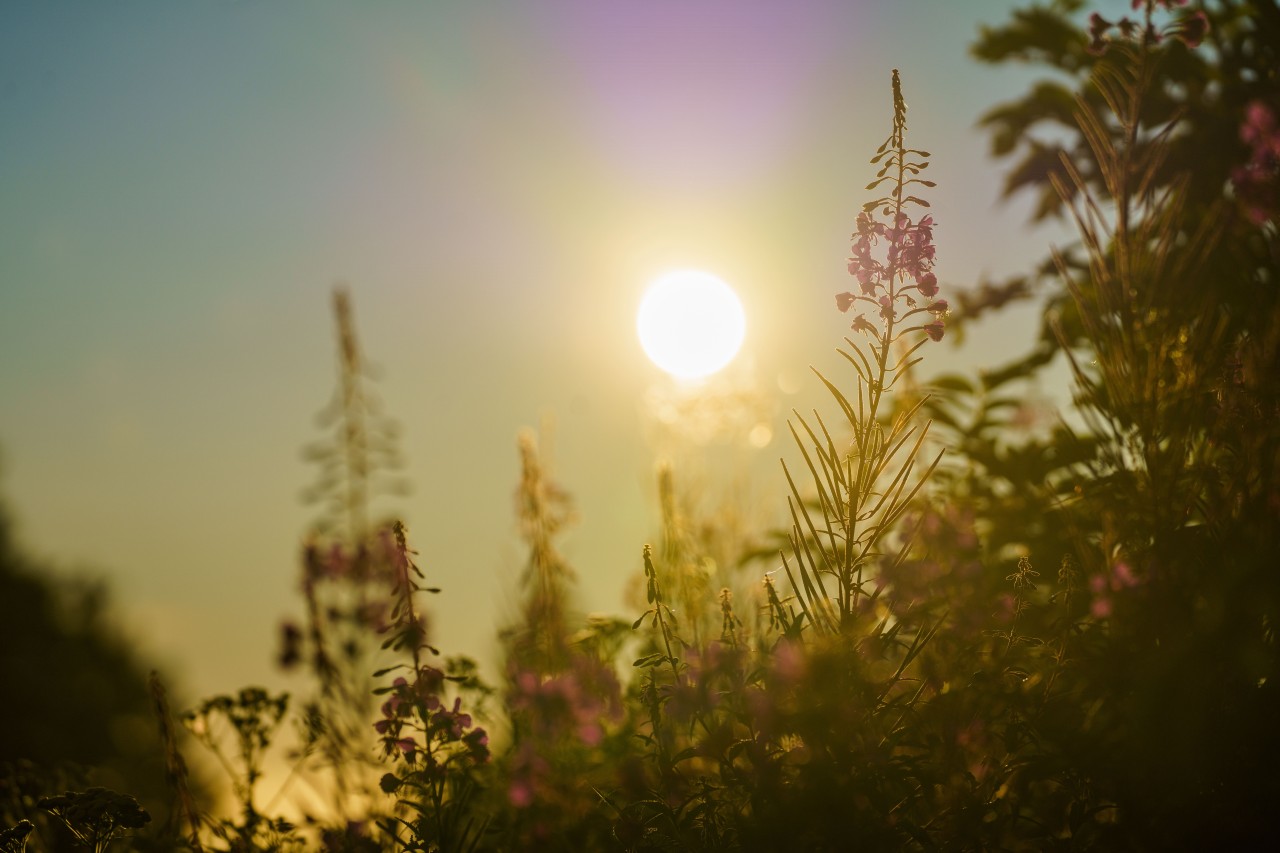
[[182, 184]]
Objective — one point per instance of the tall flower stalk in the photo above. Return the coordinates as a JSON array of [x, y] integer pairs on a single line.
[[347, 579], [435, 748], [863, 491]]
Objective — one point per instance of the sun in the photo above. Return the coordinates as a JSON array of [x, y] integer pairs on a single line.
[[690, 323]]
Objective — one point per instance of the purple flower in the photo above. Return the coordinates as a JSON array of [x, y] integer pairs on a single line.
[[928, 285], [868, 279], [1259, 128], [477, 741], [1122, 576], [844, 301], [337, 565], [1098, 28], [935, 330], [862, 324], [939, 307], [520, 794], [454, 721], [591, 734], [868, 228], [406, 745], [1192, 29], [886, 308], [1257, 182]]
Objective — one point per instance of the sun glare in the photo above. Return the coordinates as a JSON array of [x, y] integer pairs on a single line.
[[691, 324]]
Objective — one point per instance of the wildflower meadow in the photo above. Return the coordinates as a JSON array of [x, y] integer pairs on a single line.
[[972, 632]]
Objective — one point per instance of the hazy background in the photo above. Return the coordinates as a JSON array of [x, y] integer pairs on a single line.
[[182, 184]]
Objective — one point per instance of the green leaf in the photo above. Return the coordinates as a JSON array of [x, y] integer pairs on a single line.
[[684, 754]]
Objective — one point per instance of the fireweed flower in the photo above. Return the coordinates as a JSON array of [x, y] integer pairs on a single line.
[[1098, 28], [907, 267], [454, 722], [886, 308], [862, 324], [1104, 586], [1257, 182], [407, 745], [530, 776], [477, 742], [1190, 29], [892, 256]]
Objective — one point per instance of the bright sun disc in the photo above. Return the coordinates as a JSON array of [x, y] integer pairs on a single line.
[[691, 324]]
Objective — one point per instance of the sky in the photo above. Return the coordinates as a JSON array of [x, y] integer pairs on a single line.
[[182, 185]]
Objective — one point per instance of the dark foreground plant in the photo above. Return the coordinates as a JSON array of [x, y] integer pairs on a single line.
[[96, 816], [433, 744]]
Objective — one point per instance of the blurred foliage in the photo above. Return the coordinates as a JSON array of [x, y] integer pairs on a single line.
[[76, 709], [1206, 89], [1163, 499]]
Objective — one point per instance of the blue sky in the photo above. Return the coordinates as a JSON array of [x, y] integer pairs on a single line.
[[181, 186]]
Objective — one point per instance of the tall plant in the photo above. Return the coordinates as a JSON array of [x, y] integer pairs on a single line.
[[348, 581], [864, 490]]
